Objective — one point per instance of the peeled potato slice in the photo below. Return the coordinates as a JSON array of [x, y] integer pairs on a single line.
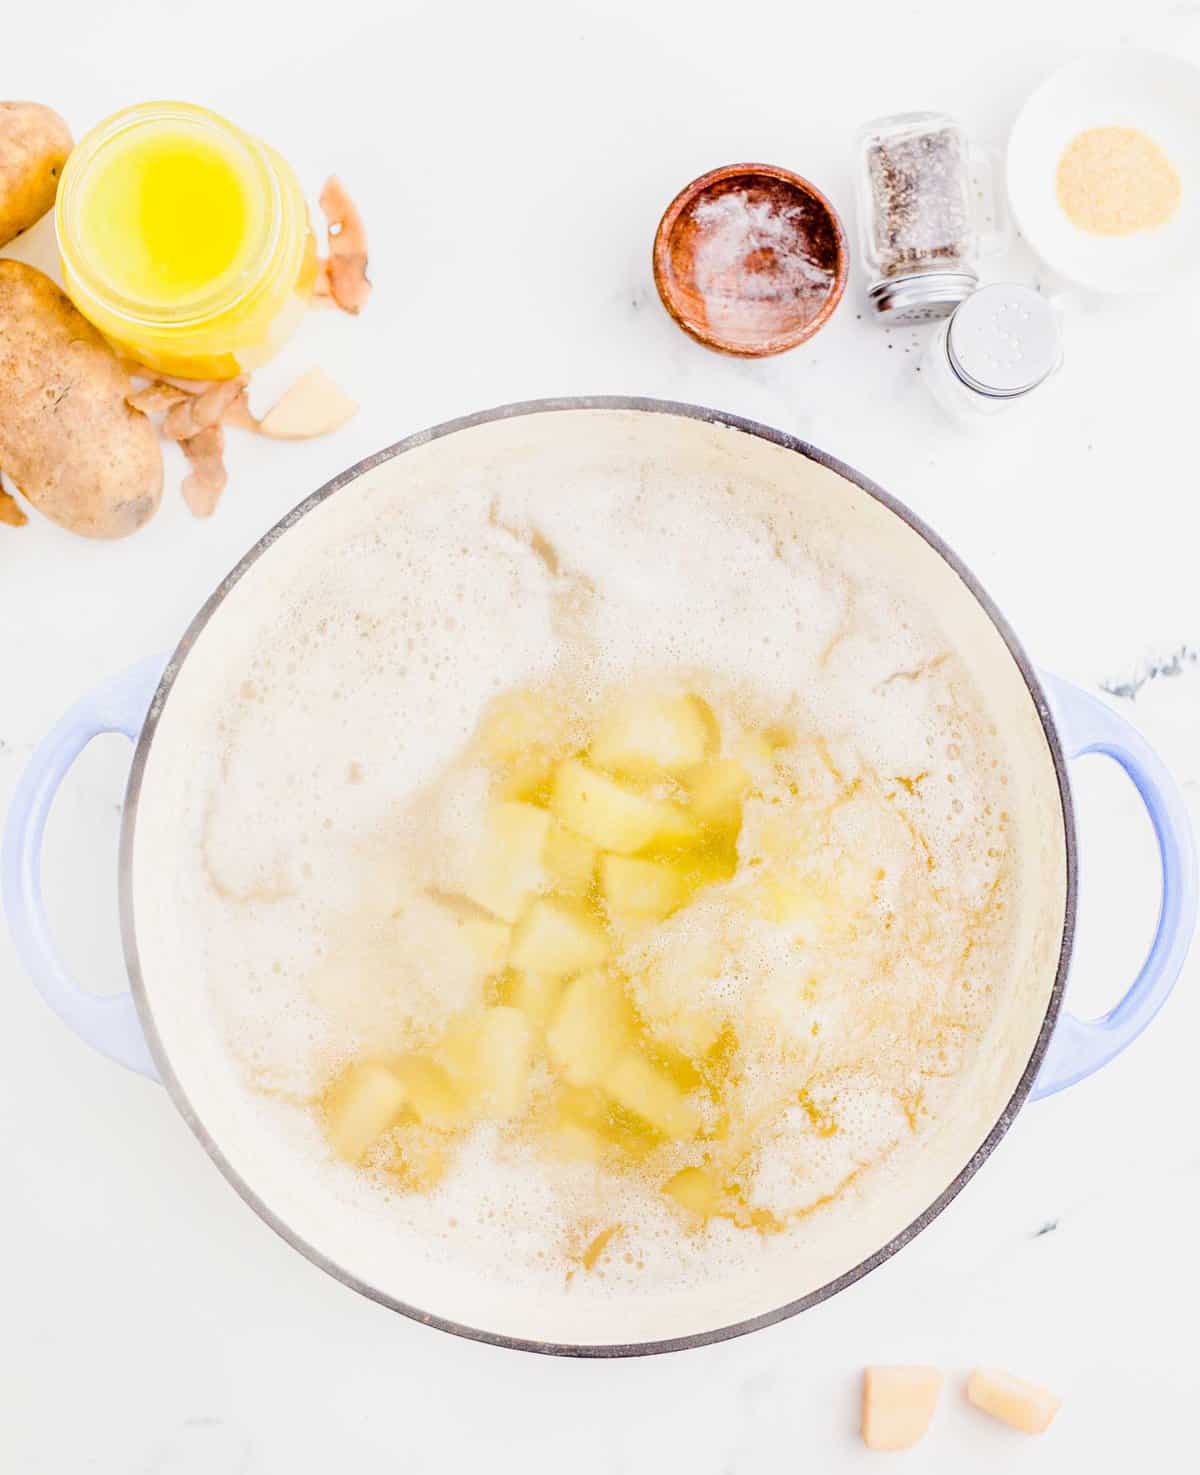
[[649, 736], [488, 1057], [557, 939], [640, 890], [509, 866], [430, 1092], [591, 1027], [313, 405], [898, 1404], [1024, 1406], [536, 996], [360, 1105], [717, 789], [612, 816], [570, 861], [643, 1089]]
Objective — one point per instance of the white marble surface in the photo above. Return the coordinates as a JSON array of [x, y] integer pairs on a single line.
[[511, 161]]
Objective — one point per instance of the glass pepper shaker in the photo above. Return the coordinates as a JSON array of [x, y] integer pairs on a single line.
[[1000, 344], [920, 237]]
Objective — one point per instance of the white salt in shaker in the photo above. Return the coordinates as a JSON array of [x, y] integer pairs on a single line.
[[1001, 343]]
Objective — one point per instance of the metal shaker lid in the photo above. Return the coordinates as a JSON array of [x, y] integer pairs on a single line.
[[921, 297], [1004, 340]]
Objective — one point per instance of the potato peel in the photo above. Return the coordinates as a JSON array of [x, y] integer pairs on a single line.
[[238, 412], [203, 411], [203, 485], [314, 405], [345, 268], [11, 515], [155, 398]]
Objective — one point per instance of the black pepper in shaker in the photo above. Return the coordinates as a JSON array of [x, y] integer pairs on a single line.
[[918, 234]]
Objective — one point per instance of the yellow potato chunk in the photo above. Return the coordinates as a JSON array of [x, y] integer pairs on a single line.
[[898, 1404], [612, 816], [487, 1055], [489, 941], [1024, 1406], [360, 1105], [649, 736], [643, 1089], [696, 1190], [536, 996], [570, 861], [591, 1027], [557, 939], [430, 1092], [509, 867], [640, 890], [717, 789]]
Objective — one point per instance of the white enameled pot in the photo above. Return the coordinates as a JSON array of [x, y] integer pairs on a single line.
[[1035, 1048]]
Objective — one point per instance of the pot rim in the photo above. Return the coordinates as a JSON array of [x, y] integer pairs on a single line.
[[129, 821]]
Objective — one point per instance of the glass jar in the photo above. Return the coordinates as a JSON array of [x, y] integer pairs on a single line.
[[919, 234], [185, 241], [1000, 345]]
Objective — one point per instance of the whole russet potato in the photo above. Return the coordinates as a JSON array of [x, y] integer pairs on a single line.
[[77, 451], [34, 144]]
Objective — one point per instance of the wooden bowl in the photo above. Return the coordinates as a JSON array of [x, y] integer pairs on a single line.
[[750, 259]]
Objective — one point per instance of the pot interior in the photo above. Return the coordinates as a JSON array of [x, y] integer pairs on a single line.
[[584, 452]]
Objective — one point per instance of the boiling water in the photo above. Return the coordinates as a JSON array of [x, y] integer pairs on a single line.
[[348, 781]]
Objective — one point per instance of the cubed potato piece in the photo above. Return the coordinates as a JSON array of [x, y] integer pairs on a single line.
[[557, 939], [612, 816], [536, 995], [649, 736], [487, 1054], [592, 1111], [640, 890], [898, 1404], [489, 941], [430, 1092], [591, 1027], [509, 867], [570, 861], [696, 1191], [360, 1105], [1025, 1406], [717, 789], [640, 1087]]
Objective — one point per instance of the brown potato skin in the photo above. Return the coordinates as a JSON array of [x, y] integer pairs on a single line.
[[67, 438], [34, 144]]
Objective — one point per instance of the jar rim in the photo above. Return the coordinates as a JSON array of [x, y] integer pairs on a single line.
[[229, 292]]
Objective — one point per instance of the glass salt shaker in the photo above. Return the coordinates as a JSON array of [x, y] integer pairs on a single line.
[[917, 216], [999, 345]]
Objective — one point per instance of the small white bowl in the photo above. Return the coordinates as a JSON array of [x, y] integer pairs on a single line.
[[1129, 89]]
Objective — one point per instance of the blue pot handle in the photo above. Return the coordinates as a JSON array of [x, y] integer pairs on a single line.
[[109, 1024], [1080, 1046]]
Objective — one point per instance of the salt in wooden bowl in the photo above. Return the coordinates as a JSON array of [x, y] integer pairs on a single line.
[[750, 259]]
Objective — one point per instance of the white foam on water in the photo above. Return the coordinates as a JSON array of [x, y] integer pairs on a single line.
[[338, 792]]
